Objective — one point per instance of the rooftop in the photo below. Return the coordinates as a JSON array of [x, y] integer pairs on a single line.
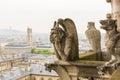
[[33, 68], [20, 44]]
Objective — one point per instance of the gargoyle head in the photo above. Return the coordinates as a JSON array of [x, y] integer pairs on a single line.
[[108, 24]]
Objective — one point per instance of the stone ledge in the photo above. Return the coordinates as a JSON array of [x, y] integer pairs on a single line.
[[89, 55], [80, 63], [74, 69]]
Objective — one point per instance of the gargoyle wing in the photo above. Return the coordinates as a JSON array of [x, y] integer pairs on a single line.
[[71, 34]]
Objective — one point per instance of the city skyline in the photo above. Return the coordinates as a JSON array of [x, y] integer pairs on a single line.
[[40, 14]]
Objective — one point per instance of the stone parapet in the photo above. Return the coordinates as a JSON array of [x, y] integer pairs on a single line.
[[75, 70]]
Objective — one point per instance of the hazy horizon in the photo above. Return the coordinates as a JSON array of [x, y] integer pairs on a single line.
[[40, 14]]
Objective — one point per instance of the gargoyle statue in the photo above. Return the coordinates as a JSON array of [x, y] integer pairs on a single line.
[[112, 38], [65, 40]]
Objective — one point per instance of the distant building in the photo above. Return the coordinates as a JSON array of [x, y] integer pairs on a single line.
[[17, 48], [45, 46], [29, 36], [20, 47]]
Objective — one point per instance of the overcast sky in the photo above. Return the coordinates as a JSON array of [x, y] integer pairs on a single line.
[[40, 14]]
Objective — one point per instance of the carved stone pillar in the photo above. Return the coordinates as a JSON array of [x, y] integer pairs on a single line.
[[115, 5]]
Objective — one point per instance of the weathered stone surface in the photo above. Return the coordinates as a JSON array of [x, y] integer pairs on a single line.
[[65, 40], [106, 56], [116, 75], [94, 38]]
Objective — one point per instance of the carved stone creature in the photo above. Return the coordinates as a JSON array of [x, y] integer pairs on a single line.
[[65, 40], [112, 38], [94, 38]]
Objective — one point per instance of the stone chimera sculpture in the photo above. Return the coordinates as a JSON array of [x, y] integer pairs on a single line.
[[65, 40], [112, 38]]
